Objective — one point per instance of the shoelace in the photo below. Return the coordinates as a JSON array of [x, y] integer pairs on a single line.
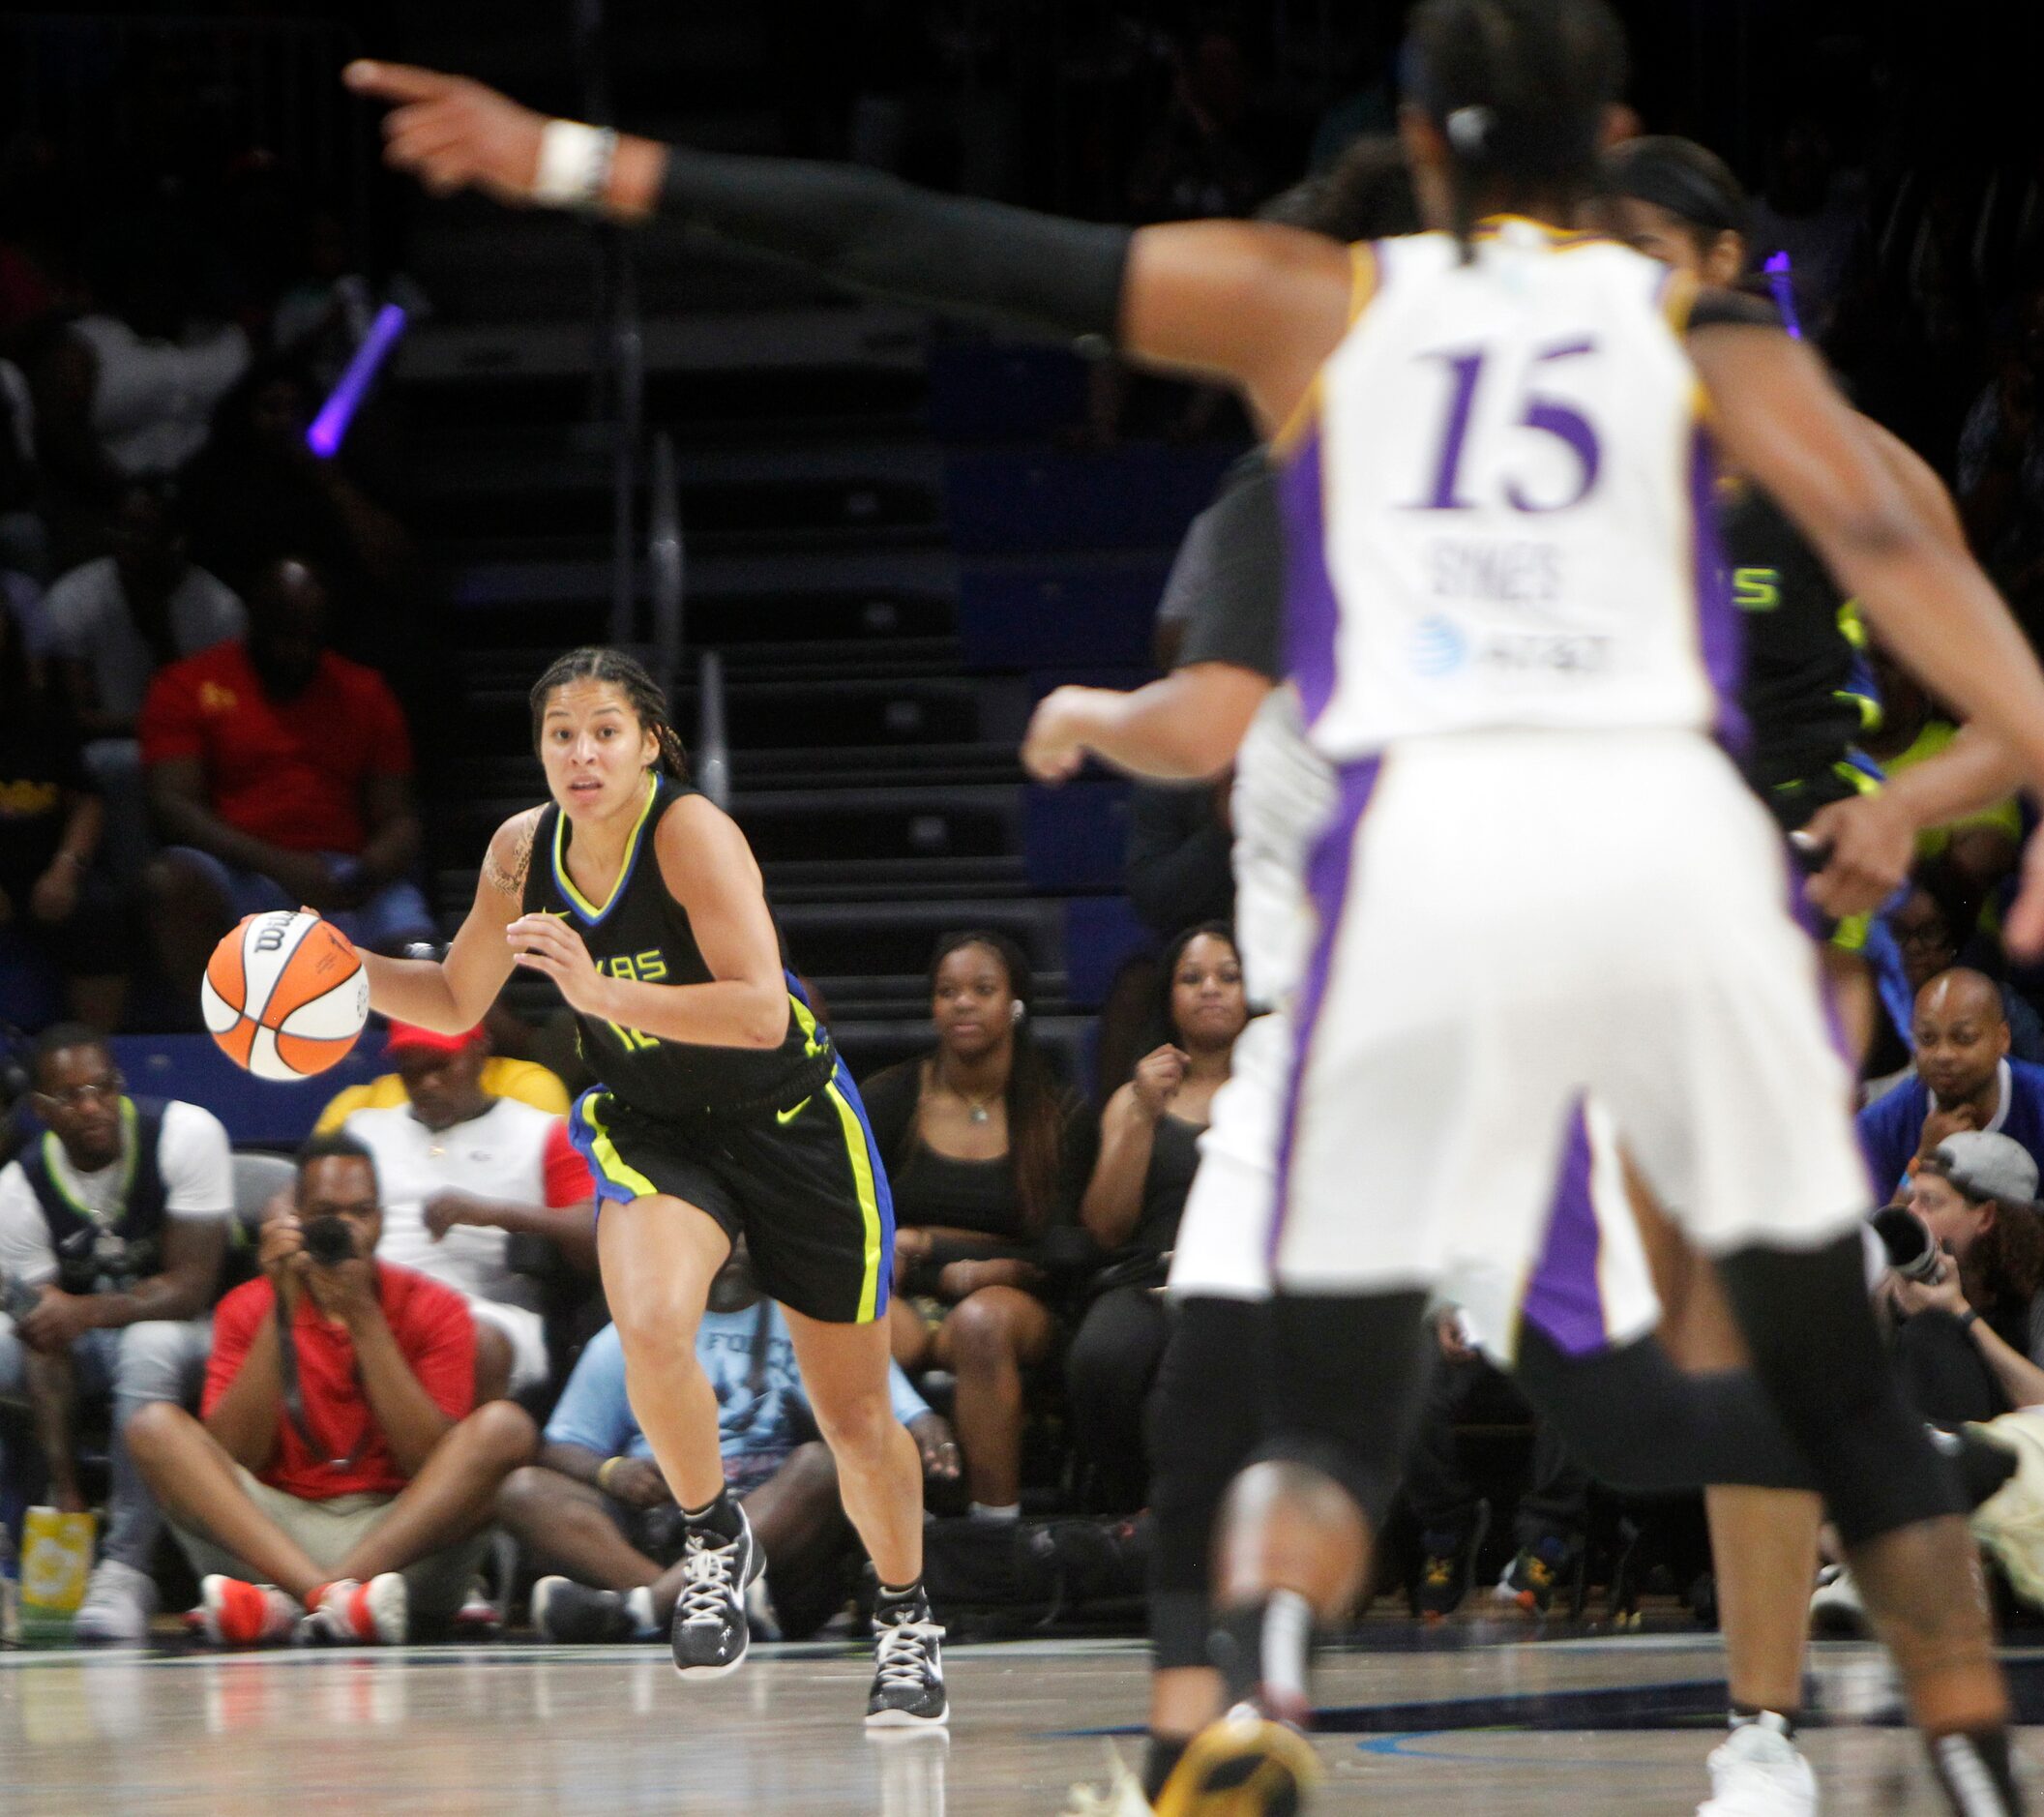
[[706, 1577], [904, 1653]]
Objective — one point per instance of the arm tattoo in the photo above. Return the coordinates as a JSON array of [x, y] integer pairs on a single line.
[[512, 881]]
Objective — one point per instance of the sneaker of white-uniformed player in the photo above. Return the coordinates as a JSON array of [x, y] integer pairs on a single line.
[[1121, 1798], [119, 1602], [1836, 1607], [1759, 1771], [2010, 1522]]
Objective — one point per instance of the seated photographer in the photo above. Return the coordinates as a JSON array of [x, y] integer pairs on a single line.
[[1969, 1318], [462, 1173], [112, 1228], [1149, 1150], [340, 1486], [1964, 1081], [596, 1507]]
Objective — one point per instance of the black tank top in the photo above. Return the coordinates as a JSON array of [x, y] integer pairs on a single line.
[[643, 934], [1808, 693]]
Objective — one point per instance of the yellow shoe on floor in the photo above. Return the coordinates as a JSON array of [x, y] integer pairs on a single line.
[[1243, 1766]]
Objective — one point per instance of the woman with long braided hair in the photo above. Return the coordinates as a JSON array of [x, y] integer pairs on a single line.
[[722, 1109]]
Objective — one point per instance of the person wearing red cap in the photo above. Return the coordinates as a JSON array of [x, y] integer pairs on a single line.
[[526, 1081], [465, 1171]]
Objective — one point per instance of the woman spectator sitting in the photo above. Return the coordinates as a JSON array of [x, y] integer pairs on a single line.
[[978, 1137], [1149, 1148], [1968, 1344]]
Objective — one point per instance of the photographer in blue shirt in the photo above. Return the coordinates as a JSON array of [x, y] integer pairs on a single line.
[[596, 1509]]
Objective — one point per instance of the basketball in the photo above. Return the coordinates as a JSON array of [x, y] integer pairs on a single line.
[[284, 995]]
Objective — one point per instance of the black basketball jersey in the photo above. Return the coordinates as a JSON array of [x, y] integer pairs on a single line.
[[643, 934], [1808, 694]]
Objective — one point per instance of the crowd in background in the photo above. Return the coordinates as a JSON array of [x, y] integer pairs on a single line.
[[205, 709]]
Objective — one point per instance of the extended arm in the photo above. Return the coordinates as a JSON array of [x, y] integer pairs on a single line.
[[1185, 728], [1255, 304]]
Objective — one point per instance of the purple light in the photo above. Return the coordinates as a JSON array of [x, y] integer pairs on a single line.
[[330, 426], [1781, 279]]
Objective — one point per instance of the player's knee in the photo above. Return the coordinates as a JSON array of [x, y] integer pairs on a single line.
[[855, 1424], [657, 1335]]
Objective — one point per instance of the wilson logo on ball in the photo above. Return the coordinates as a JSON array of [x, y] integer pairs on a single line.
[[284, 995]]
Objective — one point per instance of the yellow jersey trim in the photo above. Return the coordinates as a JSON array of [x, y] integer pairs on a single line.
[[868, 1191], [588, 911]]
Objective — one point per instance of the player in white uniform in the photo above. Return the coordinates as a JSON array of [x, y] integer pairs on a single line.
[[1505, 643]]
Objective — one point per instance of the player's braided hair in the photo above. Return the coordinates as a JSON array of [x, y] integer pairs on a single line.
[[1519, 88], [593, 662]]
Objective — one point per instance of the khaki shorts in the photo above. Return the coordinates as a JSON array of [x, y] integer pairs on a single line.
[[436, 1586]]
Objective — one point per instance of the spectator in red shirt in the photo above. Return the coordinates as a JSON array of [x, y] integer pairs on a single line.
[[280, 775], [340, 1482]]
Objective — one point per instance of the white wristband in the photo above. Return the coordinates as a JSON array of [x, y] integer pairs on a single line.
[[575, 163]]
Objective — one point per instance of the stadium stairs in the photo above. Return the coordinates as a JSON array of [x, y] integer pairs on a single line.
[[884, 542]]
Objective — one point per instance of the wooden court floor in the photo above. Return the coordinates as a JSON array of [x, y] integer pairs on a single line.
[[1462, 1724]]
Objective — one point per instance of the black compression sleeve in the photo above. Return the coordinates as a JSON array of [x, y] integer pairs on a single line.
[[879, 233]]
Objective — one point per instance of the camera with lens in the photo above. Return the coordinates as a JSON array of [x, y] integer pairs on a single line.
[[1912, 1252], [328, 1240]]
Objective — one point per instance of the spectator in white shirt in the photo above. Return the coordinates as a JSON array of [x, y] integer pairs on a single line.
[[112, 1228], [112, 624], [462, 1173]]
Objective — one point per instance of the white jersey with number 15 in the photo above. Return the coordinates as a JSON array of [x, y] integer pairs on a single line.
[[1497, 501]]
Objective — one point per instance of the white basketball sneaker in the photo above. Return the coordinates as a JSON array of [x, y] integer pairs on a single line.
[[1759, 1771]]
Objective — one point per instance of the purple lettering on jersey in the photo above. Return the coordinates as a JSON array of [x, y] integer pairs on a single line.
[[1567, 425], [1467, 368]]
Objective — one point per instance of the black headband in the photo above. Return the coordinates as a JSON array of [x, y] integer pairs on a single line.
[[1680, 188]]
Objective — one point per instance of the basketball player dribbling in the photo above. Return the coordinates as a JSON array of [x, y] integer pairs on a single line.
[[722, 1111], [1503, 620]]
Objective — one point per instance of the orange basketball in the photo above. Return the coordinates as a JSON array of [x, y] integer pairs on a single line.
[[285, 994]]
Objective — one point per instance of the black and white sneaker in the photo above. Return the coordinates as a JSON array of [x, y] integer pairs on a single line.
[[564, 1610], [909, 1675], [710, 1633]]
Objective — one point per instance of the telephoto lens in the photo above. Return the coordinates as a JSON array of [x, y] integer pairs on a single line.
[[1912, 1251]]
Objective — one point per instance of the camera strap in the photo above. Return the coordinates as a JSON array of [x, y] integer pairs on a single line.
[[294, 1396]]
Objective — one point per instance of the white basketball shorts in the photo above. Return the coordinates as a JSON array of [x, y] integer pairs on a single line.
[[1510, 925]]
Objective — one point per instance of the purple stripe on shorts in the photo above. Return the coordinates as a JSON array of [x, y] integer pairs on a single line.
[[1312, 616], [1719, 632], [1564, 1298], [1328, 869]]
